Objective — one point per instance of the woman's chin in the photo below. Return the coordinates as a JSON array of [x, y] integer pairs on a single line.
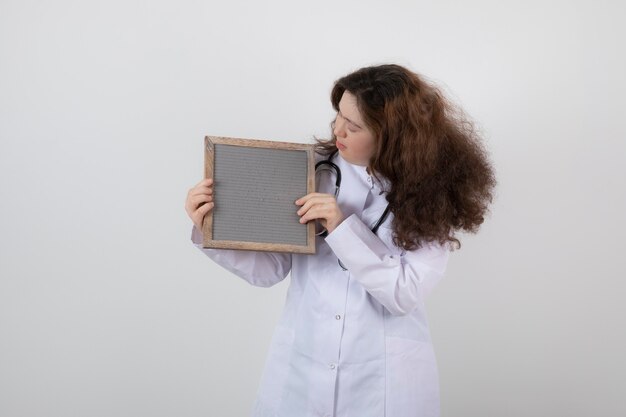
[[346, 157]]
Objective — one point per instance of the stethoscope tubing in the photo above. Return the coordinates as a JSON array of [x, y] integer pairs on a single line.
[[333, 167]]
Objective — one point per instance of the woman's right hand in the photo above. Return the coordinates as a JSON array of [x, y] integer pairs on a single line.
[[200, 201]]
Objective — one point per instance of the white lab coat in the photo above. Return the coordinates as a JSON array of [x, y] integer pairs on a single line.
[[350, 343]]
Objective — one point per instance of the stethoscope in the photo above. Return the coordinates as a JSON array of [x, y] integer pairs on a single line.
[[328, 165]]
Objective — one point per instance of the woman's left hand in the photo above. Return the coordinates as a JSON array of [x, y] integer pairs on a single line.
[[320, 206]]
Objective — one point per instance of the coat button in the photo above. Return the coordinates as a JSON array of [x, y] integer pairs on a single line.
[[337, 317]]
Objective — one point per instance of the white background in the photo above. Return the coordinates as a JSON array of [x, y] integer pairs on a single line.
[[106, 308]]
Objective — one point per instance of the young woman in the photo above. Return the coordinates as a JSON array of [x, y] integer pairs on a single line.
[[353, 339]]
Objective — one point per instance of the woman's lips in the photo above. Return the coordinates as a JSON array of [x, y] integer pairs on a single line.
[[340, 145]]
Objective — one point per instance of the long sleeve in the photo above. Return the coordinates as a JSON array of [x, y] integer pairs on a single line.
[[398, 282], [262, 269]]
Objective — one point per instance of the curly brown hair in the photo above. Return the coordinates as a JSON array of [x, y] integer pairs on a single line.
[[440, 174]]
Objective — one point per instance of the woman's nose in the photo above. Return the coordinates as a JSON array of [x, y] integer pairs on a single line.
[[339, 128]]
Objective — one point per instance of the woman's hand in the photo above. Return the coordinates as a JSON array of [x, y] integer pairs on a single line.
[[320, 206], [200, 201]]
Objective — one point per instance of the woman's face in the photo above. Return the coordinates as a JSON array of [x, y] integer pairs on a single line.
[[355, 140]]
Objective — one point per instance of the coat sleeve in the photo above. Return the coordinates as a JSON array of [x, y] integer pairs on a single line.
[[398, 282], [262, 269]]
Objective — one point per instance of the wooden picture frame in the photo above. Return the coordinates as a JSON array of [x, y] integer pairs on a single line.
[[256, 184]]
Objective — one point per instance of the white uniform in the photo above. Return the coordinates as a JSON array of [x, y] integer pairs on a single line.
[[349, 343]]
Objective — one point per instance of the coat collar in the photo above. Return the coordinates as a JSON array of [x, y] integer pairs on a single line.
[[383, 185]]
